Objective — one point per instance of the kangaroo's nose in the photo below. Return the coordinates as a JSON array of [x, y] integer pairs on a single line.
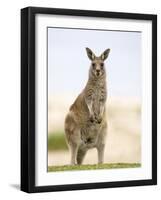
[[97, 70]]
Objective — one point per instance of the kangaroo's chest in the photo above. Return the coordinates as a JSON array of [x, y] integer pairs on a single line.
[[98, 96], [99, 93]]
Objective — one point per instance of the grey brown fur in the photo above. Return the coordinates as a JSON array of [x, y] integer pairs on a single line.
[[86, 122]]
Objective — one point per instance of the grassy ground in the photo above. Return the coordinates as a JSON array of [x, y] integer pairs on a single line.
[[92, 167]]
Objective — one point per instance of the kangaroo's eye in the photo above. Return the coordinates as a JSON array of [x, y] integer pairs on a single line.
[[102, 65], [93, 65]]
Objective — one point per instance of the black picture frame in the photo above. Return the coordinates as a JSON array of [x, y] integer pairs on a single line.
[[28, 98]]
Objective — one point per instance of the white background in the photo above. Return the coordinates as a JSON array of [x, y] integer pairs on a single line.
[[10, 99]]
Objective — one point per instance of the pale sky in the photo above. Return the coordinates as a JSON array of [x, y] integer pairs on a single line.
[[68, 63]]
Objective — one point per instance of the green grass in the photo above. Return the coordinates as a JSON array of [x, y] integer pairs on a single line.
[[93, 167], [56, 141]]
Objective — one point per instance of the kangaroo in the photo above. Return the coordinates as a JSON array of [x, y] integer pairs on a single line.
[[86, 122]]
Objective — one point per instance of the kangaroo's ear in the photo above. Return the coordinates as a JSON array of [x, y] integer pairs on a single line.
[[90, 54], [105, 54]]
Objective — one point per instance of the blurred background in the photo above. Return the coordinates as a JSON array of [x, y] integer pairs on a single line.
[[68, 67]]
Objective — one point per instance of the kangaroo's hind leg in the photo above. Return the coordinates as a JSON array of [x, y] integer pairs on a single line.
[[101, 145], [74, 143], [80, 155], [100, 150], [72, 137], [74, 150]]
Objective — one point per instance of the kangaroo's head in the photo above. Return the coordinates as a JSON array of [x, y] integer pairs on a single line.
[[97, 67]]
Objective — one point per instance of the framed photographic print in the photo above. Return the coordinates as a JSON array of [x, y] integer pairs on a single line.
[[88, 99]]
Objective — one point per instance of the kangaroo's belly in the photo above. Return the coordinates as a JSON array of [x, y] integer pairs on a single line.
[[89, 135]]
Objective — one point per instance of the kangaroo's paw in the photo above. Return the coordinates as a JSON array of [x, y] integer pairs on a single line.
[[98, 119], [92, 118]]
